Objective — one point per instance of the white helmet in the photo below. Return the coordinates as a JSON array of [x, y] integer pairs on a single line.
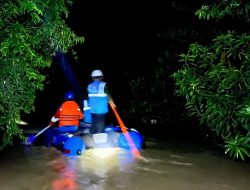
[[96, 73]]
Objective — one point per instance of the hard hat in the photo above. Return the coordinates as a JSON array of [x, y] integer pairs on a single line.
[[69, 95], [96, 73]]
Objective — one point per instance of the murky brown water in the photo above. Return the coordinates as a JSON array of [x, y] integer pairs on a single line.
[[160, 168]]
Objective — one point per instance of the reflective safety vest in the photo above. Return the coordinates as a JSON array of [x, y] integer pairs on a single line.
[[69, 114], [98, 99]]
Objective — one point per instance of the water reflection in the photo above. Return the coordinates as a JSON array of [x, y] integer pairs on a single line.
[[91, 170], [66, 169], [165, 168]]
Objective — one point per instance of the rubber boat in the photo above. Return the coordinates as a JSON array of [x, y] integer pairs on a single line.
[[76, 144]]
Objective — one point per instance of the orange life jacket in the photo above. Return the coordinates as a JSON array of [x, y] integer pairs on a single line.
[[69, 114]]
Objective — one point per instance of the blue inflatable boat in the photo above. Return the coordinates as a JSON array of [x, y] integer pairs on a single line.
[[77, 143]]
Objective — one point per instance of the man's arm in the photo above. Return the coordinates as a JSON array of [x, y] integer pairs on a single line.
[[110, 99], [55, 117]]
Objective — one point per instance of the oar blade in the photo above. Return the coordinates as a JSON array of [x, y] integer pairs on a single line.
[[29, 140]]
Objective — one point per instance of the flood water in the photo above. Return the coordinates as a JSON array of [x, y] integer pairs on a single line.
[[162, 166]]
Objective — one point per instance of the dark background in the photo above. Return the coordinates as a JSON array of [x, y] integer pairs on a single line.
[[120, 39]]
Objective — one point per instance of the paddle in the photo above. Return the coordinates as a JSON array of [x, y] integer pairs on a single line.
[[32, 138], [132, 146]]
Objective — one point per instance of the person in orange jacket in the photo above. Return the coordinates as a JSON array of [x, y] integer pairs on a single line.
[[68, 115]]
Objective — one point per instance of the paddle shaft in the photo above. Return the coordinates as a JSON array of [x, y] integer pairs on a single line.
[[40, 132], [135, 151]]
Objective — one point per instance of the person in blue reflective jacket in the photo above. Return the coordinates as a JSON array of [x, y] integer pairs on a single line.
[[98, 100]]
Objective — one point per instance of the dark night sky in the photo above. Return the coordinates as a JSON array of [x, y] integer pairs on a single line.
[[119, 34]]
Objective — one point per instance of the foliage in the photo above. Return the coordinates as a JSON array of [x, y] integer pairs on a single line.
[[238, 147], [215, 79], [233, 8], [31, 32]]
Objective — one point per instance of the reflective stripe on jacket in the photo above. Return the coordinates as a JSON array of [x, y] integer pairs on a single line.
[[98, 99], [69, 114]]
